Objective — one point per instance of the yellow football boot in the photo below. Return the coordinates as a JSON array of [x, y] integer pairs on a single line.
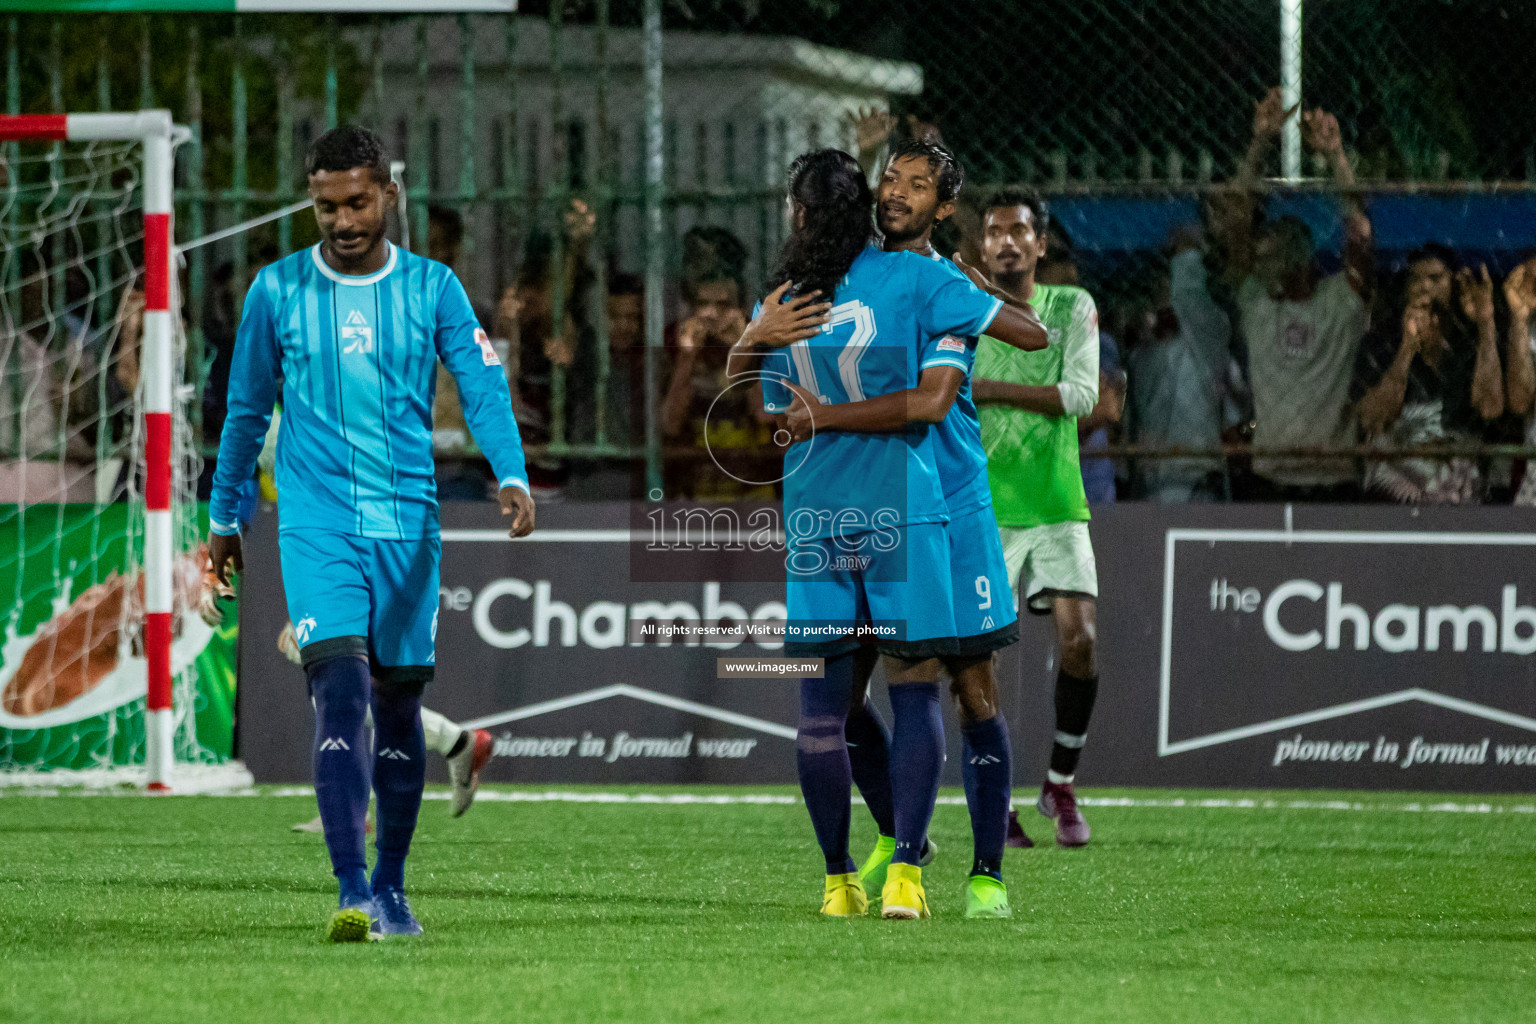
[[903, 897], [844, 896]]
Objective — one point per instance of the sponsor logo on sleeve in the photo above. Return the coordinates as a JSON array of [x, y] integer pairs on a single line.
[[487, 350]]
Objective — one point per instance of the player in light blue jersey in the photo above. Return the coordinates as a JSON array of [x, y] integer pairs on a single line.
[[865, 512], [918, 188], [354, 327]]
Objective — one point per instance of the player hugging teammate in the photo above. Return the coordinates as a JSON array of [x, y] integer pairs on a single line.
[[888, 517], [354, 328]]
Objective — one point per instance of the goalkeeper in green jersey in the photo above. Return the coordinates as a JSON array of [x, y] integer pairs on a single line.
[[1030, 403]]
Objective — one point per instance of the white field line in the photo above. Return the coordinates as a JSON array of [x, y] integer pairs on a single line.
[[784, 799]]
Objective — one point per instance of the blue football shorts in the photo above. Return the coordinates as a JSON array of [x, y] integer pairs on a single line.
[[343, 586], [893, 585]]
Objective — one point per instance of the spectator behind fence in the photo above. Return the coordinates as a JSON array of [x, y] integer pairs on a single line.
[[526, 315], [1303, 331], [1178, 366], [76, 380], [872, 130], [1059, 266], [445, 243], [459, 477], [1520, 374], [621, 397], [44, 455], [725, 426], [1301, 328], [221, 315], [1431, 373]]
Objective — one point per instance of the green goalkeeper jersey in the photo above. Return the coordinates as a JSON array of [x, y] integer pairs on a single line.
[[1032, 460]]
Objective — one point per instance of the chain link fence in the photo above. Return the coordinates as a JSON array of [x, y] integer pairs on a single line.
[[526, 153]]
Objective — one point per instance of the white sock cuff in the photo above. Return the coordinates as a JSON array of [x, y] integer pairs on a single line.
[[1057, 779], [441, 733], [1071, 742]]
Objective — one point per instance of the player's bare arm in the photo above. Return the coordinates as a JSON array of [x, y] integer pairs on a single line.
[[1487, 376], [929, 402], [1016, 323], [1077, 394], [1520, 373], [1042, 399], [778, 323]]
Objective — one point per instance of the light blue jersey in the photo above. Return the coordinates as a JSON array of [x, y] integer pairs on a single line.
[[892, 316], [358, 358], [958, 453]]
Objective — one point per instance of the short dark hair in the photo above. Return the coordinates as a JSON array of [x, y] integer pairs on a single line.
[[347, 147], [449, 220], [1435, 251], [950, 176], [1010, 196], [711, 254]]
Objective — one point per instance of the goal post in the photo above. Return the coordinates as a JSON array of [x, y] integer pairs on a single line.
[[148, 598]]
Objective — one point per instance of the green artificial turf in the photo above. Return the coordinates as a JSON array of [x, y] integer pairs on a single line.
[[199, 909]]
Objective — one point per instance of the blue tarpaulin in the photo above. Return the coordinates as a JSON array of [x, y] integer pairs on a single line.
[[1497, 228]]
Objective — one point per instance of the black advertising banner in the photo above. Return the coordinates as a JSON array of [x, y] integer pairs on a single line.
[[1240, 646], [534, 643], [1320, 646]]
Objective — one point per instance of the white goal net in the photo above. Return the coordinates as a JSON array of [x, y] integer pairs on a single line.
[[101, 556]]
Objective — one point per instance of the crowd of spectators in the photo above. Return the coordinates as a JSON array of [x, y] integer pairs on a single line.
[[1282, 369], [66, 391], [1244, 361]]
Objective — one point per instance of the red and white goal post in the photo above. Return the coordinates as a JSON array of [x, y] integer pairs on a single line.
[[154, 135]]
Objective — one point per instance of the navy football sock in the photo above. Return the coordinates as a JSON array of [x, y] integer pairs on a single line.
[[987, 770], [399, 774], [821, 759], [340, 689], [869, 755], [917, 757]]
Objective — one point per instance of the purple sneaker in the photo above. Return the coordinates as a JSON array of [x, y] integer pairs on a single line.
[[1060, 803], [1016, 837]]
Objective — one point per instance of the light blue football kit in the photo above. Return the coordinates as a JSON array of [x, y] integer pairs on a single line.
[[357, 512], [985, 618], [864, 513]]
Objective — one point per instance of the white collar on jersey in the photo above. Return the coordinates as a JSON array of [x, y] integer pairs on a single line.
[[353, 279]]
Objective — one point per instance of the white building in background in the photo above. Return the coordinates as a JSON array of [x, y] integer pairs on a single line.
[[737, 110]]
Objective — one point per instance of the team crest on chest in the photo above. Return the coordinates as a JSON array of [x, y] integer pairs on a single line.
[[356, 335]]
